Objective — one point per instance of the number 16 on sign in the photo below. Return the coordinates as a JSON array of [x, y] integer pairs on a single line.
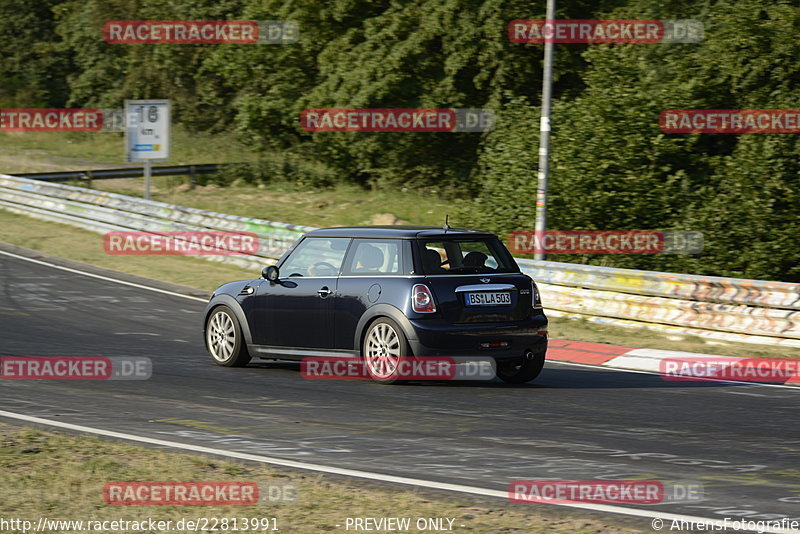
[[147, 134]]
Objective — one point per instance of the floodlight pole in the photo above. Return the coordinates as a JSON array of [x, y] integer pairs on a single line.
[[544, 132]]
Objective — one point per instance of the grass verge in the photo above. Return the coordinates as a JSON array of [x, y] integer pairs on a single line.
[[81, 245], [341, 205], [335, 206], [43, 152], [61, 477]]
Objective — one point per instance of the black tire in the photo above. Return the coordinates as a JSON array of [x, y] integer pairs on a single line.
[[224, 340], [384, 370], [521, 371]]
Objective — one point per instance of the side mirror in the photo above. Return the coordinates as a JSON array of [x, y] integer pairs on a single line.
[[271, 273]]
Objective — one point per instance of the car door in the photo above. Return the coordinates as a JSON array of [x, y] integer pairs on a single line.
[[373, 269], [298, 310]]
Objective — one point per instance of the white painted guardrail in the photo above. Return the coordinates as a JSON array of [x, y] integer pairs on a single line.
[[728, 309], [103, 212], [722, 308]]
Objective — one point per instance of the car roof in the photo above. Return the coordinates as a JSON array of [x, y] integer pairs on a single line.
[[399, 232]]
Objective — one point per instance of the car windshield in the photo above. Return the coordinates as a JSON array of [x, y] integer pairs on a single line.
[[466, 256]]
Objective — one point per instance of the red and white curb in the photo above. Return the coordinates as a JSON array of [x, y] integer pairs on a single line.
[[630, 358]]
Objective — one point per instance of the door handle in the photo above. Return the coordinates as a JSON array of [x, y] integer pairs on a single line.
[[324, 291]]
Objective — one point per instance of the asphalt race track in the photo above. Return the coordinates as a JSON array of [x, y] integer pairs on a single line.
[[574, 422]]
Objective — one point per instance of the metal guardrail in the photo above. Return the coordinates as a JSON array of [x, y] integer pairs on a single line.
[[103, 212], [730, 309], [717, 289], [123, 172], [738, 319], [722, 308]]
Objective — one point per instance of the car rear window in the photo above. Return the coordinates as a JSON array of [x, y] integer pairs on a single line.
[[466, 256]]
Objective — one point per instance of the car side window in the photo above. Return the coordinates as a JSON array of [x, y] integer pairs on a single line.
[[316, 256], [375, 257]]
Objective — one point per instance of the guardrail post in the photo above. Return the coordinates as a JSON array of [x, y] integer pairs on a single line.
[[192, 182]]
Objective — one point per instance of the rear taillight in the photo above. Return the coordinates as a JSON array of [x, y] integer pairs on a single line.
[[422, 299], [535, 297]]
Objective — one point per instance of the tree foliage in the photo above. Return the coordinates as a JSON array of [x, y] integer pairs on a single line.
[[612, 167]]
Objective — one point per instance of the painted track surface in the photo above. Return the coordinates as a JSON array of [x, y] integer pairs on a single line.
[[574, 422]]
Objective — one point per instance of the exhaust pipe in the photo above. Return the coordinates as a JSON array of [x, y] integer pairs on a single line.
[[528, 355]]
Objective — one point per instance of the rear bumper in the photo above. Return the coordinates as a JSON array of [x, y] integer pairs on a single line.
[[435, 337]]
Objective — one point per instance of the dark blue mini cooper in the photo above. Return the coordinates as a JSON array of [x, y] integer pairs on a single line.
[[385, 294]]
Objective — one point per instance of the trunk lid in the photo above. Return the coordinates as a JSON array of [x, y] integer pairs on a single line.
[[481, 298]]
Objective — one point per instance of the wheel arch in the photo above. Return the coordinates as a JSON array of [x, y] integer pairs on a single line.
[[235, 307], [379, 311]]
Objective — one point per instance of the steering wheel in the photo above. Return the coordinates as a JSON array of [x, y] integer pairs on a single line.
[[319, 268]]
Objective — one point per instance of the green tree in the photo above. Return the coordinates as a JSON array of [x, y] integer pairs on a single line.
[[33, 65]]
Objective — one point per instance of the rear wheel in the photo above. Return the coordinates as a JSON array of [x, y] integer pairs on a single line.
[[385, 347], [224, 339], [521, 371]]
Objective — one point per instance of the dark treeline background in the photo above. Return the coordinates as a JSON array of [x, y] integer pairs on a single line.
[[612, 168]]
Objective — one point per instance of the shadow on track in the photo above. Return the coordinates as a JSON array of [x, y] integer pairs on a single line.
[[551, 378]]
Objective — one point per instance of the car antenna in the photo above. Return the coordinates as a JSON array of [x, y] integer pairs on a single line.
[[446, 222]]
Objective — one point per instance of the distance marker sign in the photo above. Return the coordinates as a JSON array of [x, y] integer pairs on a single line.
[[147, 131]]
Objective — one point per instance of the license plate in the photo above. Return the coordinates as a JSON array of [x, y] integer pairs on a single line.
[[488, 299]]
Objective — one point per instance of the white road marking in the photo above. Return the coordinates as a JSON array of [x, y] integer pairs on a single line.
[[106, 278], [367, 474]]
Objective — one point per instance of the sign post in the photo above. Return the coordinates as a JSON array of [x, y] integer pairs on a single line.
[[147, 134]]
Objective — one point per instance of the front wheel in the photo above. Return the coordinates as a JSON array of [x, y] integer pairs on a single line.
[[385, 347], [521, 371], [224, 339]]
